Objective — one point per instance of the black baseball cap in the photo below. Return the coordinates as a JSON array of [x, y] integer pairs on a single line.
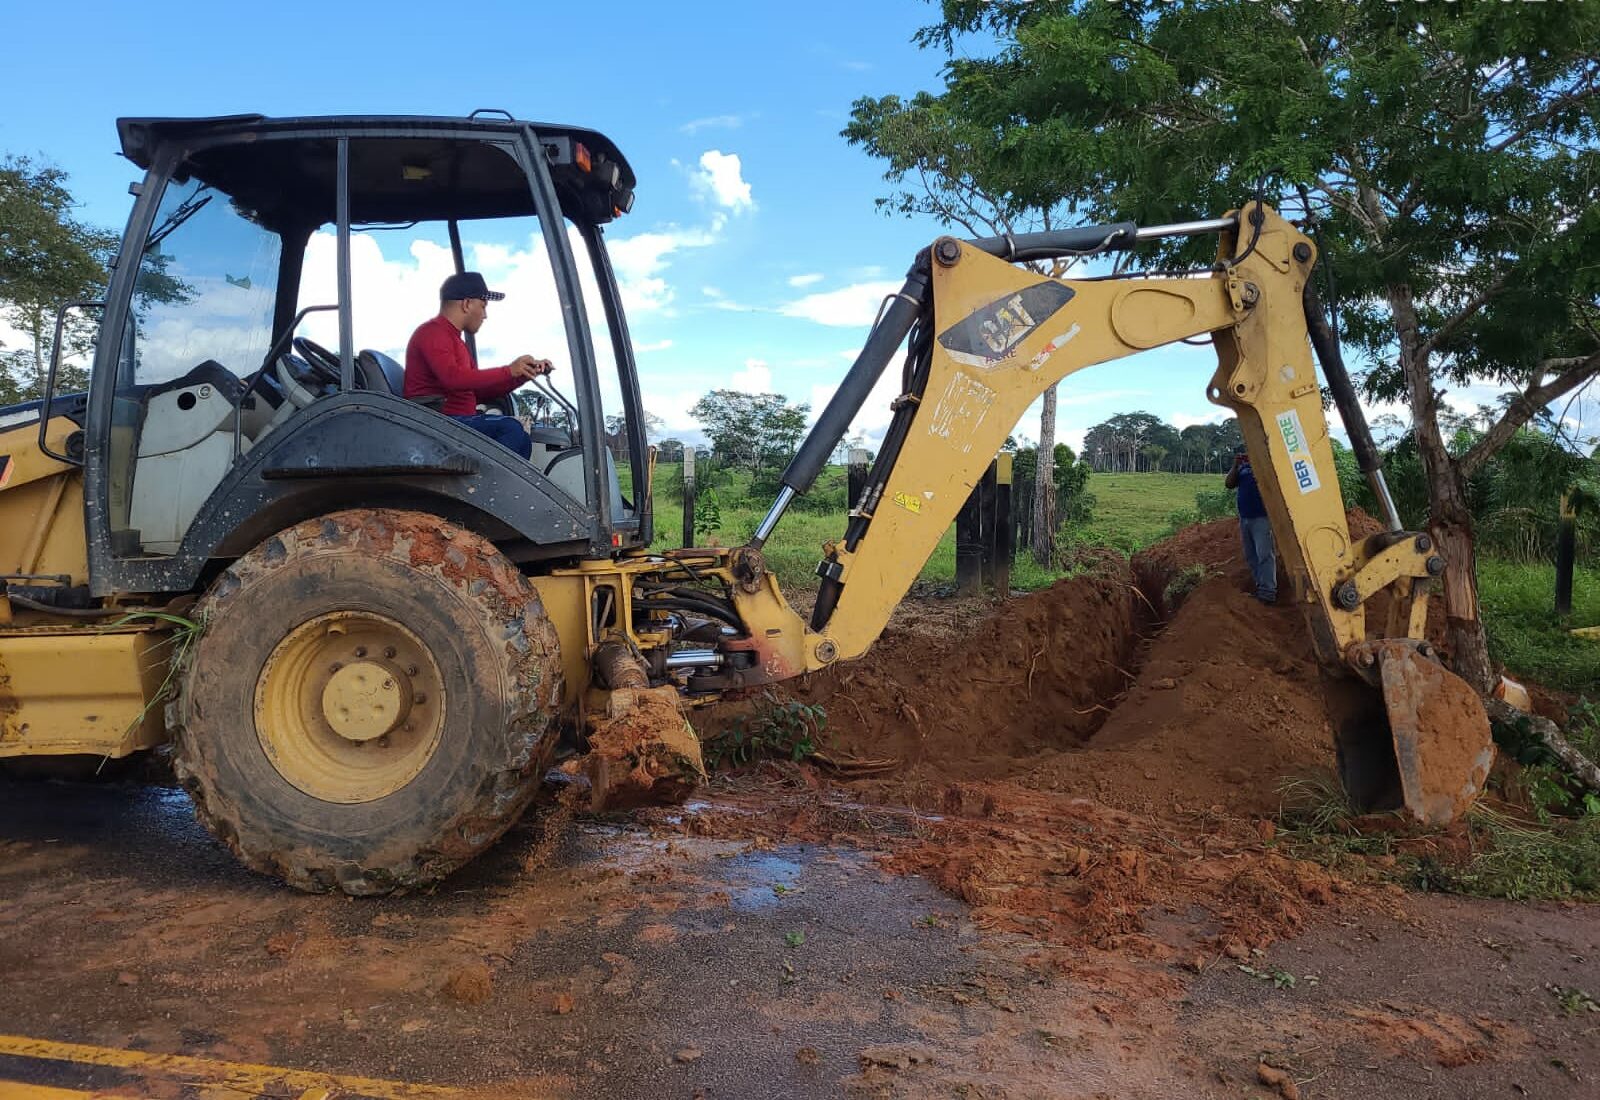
[[467, 284]]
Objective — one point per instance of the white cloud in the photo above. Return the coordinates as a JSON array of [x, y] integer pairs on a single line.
[[804, 280], [1185, 420], [721, 177], [640, 260], [855, 305], [646, 349], [755, 378], [711, 292], [712, 122]]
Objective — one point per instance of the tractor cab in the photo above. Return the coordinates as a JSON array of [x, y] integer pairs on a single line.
[[248, 373]]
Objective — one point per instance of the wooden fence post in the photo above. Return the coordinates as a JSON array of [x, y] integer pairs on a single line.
[[857, 476], [1003, 548], [688, 496]]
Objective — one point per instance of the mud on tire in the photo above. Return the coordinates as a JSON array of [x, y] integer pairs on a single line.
[[494, 656]]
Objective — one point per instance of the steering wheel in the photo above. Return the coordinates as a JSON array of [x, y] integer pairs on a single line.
[[323, 362]]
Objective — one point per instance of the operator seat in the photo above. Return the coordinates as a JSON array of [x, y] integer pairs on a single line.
[[379, 372]]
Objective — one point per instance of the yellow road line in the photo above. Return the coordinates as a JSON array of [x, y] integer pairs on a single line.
[[238, 1076], [11, 1091]]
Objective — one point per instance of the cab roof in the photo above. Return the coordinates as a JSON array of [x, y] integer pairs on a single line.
[[428, 170]]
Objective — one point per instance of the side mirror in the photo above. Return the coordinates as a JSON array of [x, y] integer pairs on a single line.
[[74, 456]]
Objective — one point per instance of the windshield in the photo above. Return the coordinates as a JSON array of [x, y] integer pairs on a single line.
[[207, 282]]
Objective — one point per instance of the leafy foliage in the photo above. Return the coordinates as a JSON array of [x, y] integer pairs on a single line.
[[753, 430], [46, 257], [787, 729], [1447, 152]]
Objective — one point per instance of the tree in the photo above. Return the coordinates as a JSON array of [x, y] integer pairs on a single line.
[[1130, 442], [1448, 153], [46, 257], [751, 429], [939, 162], [670, 450]]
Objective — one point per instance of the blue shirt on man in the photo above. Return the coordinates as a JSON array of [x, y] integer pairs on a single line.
[[1250, 505]]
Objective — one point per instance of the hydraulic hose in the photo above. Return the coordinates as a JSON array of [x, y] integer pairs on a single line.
[[1344, 397]]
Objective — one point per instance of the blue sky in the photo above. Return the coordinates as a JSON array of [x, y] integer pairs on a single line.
[[753, 258]]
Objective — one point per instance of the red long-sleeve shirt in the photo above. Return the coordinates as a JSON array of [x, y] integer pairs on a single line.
[[437, 362]]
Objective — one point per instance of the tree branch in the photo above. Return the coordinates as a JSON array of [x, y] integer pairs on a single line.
[[1577, 95], [1526, 405], [1463, 315]]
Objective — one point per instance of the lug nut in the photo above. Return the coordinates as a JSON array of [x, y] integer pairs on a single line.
[[411, 670], [361, 651], [419, 698], [335, 667], [388, 651]]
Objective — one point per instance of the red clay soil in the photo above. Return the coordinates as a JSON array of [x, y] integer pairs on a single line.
[[1077, 689]]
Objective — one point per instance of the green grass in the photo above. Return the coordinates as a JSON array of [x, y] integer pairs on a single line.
[[1527, 636], [796, 547], [1131, 511]]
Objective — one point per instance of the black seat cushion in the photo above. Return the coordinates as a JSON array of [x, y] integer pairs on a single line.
[[379, 372]]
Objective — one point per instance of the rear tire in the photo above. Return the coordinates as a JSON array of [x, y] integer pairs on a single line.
[[369, 704]]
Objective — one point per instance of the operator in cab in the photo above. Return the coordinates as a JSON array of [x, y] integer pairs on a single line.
[[439, 365], [1255, 530]]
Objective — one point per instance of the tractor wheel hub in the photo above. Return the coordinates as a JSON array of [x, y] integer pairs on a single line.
[[365, 700]]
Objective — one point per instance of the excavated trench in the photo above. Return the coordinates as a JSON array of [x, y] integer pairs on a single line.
[[1095, 687]]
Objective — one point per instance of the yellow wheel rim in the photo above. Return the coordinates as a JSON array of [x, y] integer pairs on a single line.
[[350, 707]]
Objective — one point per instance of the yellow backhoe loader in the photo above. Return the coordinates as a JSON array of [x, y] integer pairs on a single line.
[[363, 626]]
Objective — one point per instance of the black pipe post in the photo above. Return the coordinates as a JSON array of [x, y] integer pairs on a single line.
[[688, 496], [1004, 548], [1566, 555], [988, 516], [969, 544]]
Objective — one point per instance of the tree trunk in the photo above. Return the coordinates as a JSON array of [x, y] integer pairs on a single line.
[[1449, 518], [37, 327], [1044, 485]]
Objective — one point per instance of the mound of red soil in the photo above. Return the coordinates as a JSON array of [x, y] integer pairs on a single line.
[[1078, 688], [1027, 679]]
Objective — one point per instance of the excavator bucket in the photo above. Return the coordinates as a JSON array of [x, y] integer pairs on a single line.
[[1421, 741]]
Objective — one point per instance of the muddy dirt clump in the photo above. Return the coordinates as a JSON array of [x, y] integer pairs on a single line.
[[1027, 679]]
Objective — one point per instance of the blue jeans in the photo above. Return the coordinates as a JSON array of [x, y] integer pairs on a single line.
[[505, 430], [1260, 555]]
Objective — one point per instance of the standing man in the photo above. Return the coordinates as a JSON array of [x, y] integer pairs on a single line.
[[1255, 531], [438, 363]]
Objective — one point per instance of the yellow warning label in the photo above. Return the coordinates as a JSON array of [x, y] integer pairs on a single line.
[[908, 502]]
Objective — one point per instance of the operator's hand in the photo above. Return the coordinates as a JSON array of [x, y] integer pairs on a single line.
[[526, 367]]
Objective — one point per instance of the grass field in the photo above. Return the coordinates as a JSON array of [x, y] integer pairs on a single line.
[[1133, 511]]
